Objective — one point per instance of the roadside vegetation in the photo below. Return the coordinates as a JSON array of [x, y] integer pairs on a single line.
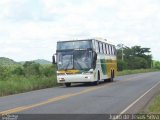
[[133, 60], [155, 106], [136, 71], [29, 76]]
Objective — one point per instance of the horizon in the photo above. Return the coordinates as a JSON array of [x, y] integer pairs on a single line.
[[26, 60]]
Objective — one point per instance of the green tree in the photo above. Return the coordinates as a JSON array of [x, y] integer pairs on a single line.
[[157, 65], [18, 71], [32, 68], [135, 57], [4, 72], [136, 63], [121, 65], [49, 71]]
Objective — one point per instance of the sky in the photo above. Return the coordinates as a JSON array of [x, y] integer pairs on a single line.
[[29, 29]]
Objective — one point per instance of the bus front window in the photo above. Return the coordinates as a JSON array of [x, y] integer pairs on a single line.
[[82, 59], [77, 59], [65, 60], [74, 45]]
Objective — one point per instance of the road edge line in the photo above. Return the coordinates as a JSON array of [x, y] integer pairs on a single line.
[[133, 103]]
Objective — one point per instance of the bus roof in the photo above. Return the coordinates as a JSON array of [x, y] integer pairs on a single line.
[[98, 39]]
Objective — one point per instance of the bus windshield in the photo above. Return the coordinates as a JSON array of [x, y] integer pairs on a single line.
[[77, 59], [74, 45]]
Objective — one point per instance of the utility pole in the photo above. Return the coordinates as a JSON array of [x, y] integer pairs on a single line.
[[122, 51], [121, 46]]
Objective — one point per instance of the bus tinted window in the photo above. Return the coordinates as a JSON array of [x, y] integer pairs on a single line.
[[113, 50], [97, 46], [74, 45], [100, 45], [104, 48], [110, 51]]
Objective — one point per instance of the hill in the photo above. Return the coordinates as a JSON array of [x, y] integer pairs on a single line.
[[7, 61], [42, 61]]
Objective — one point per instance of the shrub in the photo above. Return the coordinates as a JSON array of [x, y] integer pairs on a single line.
[[31, 68], [157, 65], [49, 71], [137, 63], [18, 71], [4, 72], [121, 65]]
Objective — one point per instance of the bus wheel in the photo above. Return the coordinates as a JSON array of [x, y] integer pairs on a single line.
[[105, 80], [112, 76], [98, 79], [67, 84]]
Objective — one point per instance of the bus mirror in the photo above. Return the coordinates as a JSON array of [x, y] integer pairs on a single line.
[[53, 59]]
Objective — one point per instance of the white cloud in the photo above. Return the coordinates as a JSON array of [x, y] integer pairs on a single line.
[[33, 27]]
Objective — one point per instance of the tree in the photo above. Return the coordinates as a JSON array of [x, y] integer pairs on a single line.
[[31, 68], [121, 65], [135, 57], [4, 72], [157, 65]]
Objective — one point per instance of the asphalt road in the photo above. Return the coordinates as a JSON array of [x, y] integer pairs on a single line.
[[127, 94]]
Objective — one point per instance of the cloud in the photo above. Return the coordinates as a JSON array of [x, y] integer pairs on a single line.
[[32, 27]]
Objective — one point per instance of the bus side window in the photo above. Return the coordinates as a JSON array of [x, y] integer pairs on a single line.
[[100, 45], [112, 50], [104, 48], [109, 49], [115, 52], [93, 44], [97, 46]]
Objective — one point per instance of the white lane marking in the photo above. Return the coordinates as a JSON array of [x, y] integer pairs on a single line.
[[126, 109], [139, 98]]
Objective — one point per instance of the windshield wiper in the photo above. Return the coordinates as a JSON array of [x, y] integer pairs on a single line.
[[69, 63], [67, 66]]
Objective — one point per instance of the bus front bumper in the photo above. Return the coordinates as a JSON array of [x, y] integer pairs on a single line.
[[78, 78]]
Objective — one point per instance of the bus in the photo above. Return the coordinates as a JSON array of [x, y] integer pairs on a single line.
[[83, 61]]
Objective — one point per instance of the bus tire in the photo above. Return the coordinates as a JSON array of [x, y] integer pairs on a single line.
[[98, 79], [105, 80], [112, 76], [67, 84]]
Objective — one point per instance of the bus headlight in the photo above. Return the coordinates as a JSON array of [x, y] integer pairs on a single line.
[[87, 77], [90, 71]]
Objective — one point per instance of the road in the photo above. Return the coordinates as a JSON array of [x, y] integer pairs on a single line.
[[127, 94]]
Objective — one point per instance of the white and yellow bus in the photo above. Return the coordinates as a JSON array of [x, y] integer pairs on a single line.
[[88, 60]]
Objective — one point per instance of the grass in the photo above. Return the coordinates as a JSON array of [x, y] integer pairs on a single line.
[[23, 84], [155, 106], [18, 79], [127, 72]]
